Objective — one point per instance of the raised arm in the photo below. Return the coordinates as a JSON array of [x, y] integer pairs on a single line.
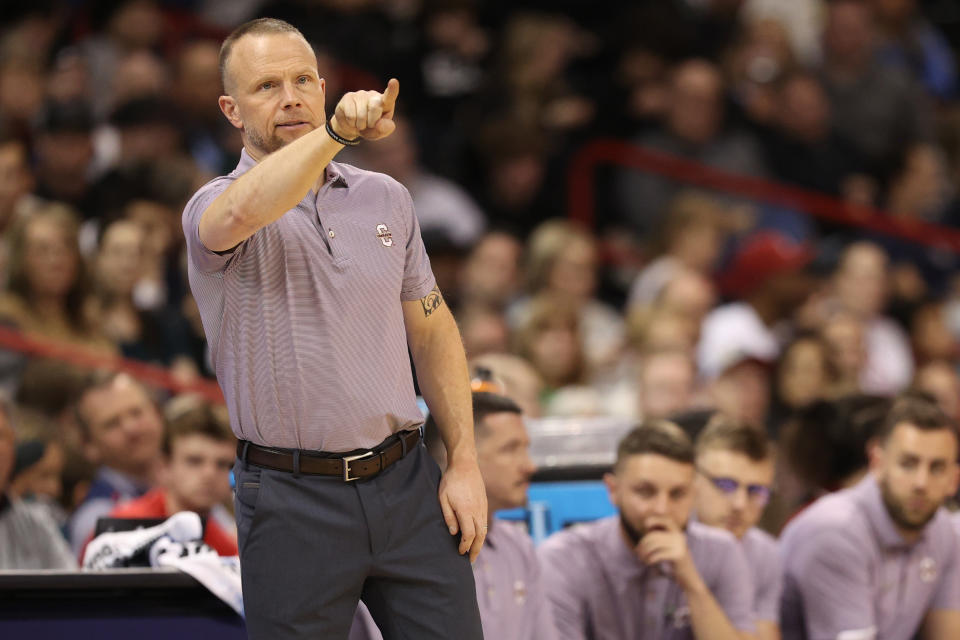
[[281, 179]]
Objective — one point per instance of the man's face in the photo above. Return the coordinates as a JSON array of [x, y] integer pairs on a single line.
[[275, 92], [732, 490], [503, 451], [916, 470], [6, 451], [125, 427], [649, 487], [666, 384], [198, 471]]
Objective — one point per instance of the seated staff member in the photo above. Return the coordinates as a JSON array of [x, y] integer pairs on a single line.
[[649, 572], [510, 590], [735, 470], [879, 560]]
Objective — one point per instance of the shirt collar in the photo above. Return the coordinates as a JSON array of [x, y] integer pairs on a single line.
[[871, 499], [620, 559], [334, 172]]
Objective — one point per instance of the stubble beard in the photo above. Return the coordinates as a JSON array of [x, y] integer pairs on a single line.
[[899, 514]]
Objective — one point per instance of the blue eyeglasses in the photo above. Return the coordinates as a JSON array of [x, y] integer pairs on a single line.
[[757, 493]]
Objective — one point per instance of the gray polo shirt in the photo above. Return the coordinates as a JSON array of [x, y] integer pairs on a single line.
[[600, 590], [847, 569], [510, 592], [303, 318], [763, 557]]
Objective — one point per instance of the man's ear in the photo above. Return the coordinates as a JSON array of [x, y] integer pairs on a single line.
[[230, 109], [610, 480], [875, 453]]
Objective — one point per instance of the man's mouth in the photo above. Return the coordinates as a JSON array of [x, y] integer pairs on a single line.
[[293, 124]]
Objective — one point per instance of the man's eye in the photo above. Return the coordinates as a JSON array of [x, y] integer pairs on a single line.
[[303, 79], [266, 85]]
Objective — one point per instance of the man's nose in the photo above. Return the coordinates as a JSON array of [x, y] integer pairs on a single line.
[[290, 96], [739, 498]]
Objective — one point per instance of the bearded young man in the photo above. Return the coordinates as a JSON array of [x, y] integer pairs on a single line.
[[650, 572], [879, 561]]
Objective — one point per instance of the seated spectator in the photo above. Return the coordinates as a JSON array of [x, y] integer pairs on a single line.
[[910, 42], [199, 449], [123, 432], [563, 261], [483, 330], [30, 538], [38, 470], [940, 379], [491, 273], [735, 470], [690, 239], [665, 384], [767, 275], [650, 571], [804, 374], [47, 284], [860, 286], [159, 336], [803, 147], [549, 338], [693, 128], [878, 109], [881, 559], [844, 334]]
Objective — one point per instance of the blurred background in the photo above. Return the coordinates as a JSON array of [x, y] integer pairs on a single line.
[[635, 209]]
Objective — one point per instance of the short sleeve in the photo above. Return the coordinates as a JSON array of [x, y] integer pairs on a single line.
[[202, 258], [832, 576], [418, 277]]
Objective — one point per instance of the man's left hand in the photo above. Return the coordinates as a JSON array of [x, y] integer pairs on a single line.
[[463, 501]]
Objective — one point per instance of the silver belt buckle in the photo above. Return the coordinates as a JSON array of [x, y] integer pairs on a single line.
[[346, 465]]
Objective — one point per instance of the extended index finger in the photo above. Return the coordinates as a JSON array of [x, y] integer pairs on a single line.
[[390, 97]]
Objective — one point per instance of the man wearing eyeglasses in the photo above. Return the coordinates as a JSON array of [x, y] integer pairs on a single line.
[[649, 572], [734, 474], [880, 560]]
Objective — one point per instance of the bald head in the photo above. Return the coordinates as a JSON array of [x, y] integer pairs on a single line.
[[260, 26]]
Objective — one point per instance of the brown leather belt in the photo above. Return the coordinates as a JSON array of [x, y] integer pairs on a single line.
[[359, 466]]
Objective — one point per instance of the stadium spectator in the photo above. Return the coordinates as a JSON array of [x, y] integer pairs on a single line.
[[123, 432], [693, 128], [30, 537], [47, 283], [199, 449], [860, 287]]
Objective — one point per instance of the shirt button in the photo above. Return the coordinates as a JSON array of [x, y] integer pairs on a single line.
[[332, 234]]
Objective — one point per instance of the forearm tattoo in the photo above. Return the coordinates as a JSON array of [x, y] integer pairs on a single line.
[[431, 302]]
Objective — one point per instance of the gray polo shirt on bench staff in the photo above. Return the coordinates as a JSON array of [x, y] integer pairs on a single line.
[[850, 575], [303, 318]]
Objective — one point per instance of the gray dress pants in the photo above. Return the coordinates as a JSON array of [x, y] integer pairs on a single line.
[[312, 546]]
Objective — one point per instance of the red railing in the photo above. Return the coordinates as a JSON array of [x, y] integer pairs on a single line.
[[149, 374], [581, 195]]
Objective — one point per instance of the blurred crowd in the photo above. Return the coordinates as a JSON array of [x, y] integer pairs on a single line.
[[677, 300]]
